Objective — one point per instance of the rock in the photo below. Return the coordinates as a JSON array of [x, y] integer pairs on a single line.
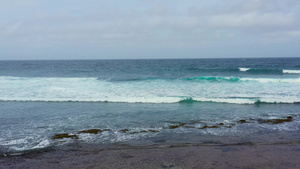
[[64, 135], [154, 131], [124, 130], [91, 131], [242, 121], [135, 132], [177, 126], [204, 127], [276, 121]]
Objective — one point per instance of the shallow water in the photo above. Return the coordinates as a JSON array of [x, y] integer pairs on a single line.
[[31, 125]]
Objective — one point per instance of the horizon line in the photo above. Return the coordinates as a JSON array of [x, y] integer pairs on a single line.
[[145, 58]]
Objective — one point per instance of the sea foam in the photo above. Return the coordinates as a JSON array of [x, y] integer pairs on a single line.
[[201, 89], [291, 71], [244, 69]]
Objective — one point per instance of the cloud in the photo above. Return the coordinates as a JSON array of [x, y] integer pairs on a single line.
[[252, 20], [282, 36], [149, 23]]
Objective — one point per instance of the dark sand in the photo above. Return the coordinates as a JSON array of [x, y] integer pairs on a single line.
[[201, 156]]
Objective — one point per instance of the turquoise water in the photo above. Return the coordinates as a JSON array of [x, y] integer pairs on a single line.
[[148, 102]]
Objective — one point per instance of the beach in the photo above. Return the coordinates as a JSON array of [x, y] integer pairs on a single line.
[[186, 156]]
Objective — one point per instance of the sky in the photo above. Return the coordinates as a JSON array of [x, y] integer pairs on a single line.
[[145, 29]]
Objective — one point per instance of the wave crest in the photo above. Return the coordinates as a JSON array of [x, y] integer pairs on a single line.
[[214, 78], [243, 69], [291, 71], [168, 100]]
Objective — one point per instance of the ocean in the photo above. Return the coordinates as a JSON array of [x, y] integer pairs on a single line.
[[78, 104]]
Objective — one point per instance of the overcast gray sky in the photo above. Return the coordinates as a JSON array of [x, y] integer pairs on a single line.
[[120, 29]]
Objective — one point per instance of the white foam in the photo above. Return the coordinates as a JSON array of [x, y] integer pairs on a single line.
[[113, 100], [227, 100], [243, 69], [286, 100], [14, 142], [158, 91], [170, 100], [27, 143], [291, 71], [44, 143], [271, 80]]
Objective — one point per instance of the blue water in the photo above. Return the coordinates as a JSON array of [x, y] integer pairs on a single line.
[[148, 102]]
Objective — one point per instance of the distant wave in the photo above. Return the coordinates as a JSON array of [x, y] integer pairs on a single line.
[[272, 80], [261, 71], [210, 79], [167, 100], [247, 70], [94, 79], [131, 79], [243, 79], [201, 78], [244, 69], [214, 78], [291, 71], [239, 100]]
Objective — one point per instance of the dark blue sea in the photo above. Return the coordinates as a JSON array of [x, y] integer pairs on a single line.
[[70, 104]]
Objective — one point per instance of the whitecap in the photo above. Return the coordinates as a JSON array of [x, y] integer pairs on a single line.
[[227, 100], [291, 71], [271, 80], [243, 69]]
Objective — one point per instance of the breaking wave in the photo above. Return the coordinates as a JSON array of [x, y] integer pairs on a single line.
[[244, 69], [166, 100], [291, 71], [236, 90], [268, 71]]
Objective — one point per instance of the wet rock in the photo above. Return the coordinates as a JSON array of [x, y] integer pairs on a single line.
[[124, 130], [177, 126], [135, 132], [91, 131], [154, 131], [205, 127], [242, 121], [64, 135], [212, 126], [143, 131], [276, 121]]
